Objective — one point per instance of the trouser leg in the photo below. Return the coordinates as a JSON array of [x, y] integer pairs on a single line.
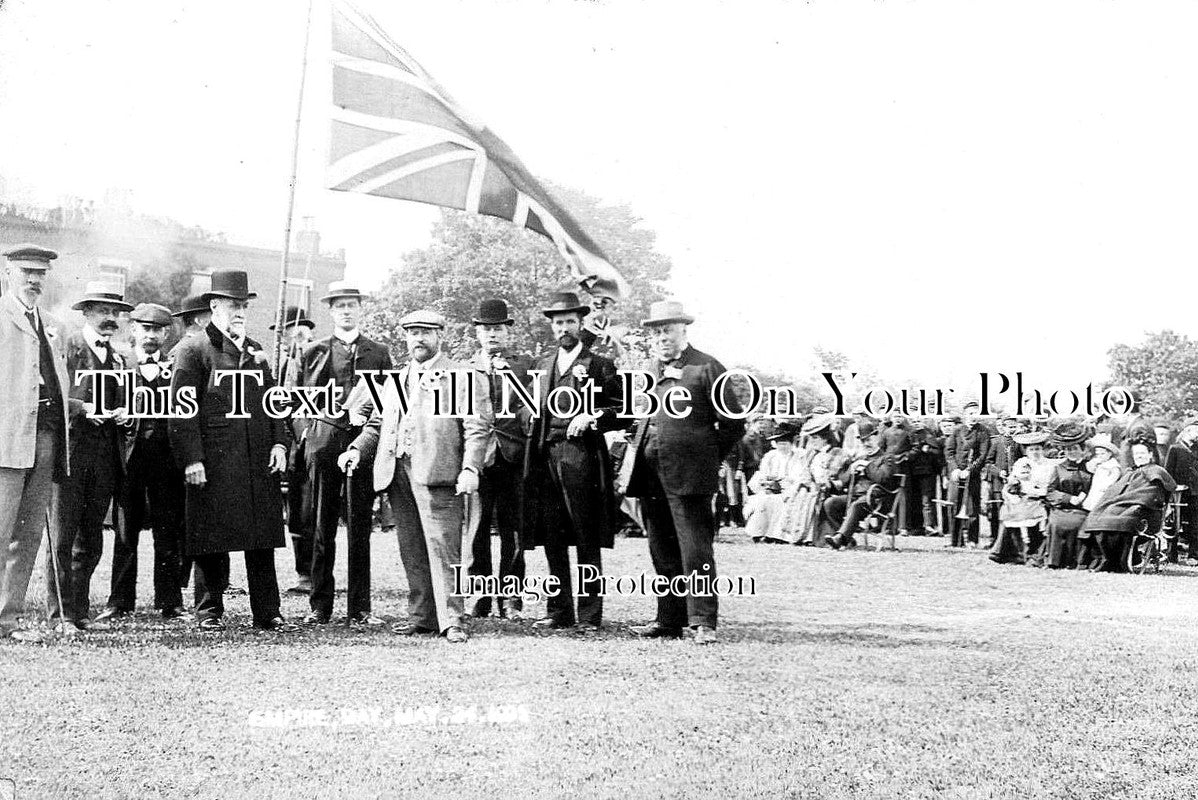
[[263, 584], [441, 518], [691, 516], [212, 578], [360, 494], [24, 498], [666, 554], [413, 551]]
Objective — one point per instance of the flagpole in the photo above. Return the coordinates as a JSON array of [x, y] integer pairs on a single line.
[[299, 110]]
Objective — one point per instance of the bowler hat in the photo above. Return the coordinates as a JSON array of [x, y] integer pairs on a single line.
[[295, 315], [342, 289], [100, 292], [493, 311], [664, 312], [564, 303], [192, 304], [34, 257], [152, 314], [233, 284], [424, 318]]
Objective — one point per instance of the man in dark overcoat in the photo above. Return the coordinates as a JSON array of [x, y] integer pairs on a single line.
[[965, 452], [674, 469], [569, 498], [231, 465]]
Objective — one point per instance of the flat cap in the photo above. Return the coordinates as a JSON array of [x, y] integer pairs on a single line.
[[424, 318], [152, 314], [37, 257]]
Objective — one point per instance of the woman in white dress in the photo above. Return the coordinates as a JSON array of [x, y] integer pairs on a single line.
[[822, 461], [773, 486]]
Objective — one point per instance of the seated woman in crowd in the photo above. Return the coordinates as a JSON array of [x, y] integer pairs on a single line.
[[1104, 466], [822, 461], [1023, 514], [1137, 497], [773, 487], [1067, 491]]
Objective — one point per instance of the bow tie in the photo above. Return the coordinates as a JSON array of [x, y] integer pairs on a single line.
[[100, 344]]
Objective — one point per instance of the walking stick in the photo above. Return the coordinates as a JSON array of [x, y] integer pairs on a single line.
[[54, 569]]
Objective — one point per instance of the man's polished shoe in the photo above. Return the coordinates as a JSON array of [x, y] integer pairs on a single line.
[[705, 635], [586, 627], [278, 625], [551, 624], [302, 587], [455, 635], [211, 625], [410, 629], [317, 619], [27, 635], [655, 630], [364, 620], [113, 613], [175, 612]]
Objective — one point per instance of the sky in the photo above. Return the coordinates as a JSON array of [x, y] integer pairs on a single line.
[[936, 189]]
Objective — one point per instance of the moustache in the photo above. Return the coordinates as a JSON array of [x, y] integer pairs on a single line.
[[108, 325]]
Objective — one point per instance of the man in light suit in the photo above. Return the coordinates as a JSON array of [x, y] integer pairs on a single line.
[[98, 427], [33, 433], [425, 461], [674, 467]]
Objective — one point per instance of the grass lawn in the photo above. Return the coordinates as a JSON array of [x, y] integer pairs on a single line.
[[924, 673]]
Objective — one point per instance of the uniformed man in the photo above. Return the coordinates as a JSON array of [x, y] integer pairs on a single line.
[[153, 491], [33, 431], [338, 358], [98, 425]]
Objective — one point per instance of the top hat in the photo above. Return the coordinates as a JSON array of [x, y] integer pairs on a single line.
[[342, 289], [152, 314], [233, 284], [101, 292], [295, 315], [493, 312], [192, 304], [564, 303], [34, 257], [424, 318], [664, 312]]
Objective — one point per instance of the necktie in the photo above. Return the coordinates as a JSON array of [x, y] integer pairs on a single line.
[[29, 315]]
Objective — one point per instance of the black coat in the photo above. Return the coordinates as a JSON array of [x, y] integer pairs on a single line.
[[1138, 495], [968, 448], [314, 367], [87, 440], [689, 449], [588, 453], [241, 506]]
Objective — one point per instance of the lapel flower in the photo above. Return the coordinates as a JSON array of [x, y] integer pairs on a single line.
[[673, 373], [164, 371], [499, 362], [429, 379], [580, 372], [51, 333]]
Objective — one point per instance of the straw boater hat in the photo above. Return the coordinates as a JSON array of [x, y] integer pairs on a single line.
[[666, 311], [1104, 442], [100, 292], [1035, 437], [339, 289], [818, 424]]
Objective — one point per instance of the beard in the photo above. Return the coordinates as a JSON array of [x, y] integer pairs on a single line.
[[566, 341]]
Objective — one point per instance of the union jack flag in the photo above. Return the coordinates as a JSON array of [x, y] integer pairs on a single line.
[[397, 133]]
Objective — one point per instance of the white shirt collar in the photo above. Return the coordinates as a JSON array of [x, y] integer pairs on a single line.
[[91, 337], [566, 357], [347, 337]]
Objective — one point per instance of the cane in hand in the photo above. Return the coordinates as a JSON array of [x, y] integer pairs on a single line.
[[54, 568]]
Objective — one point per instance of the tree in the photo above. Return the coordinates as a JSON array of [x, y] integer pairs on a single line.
[[1162, 372], [473, 257], [164, 282]]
